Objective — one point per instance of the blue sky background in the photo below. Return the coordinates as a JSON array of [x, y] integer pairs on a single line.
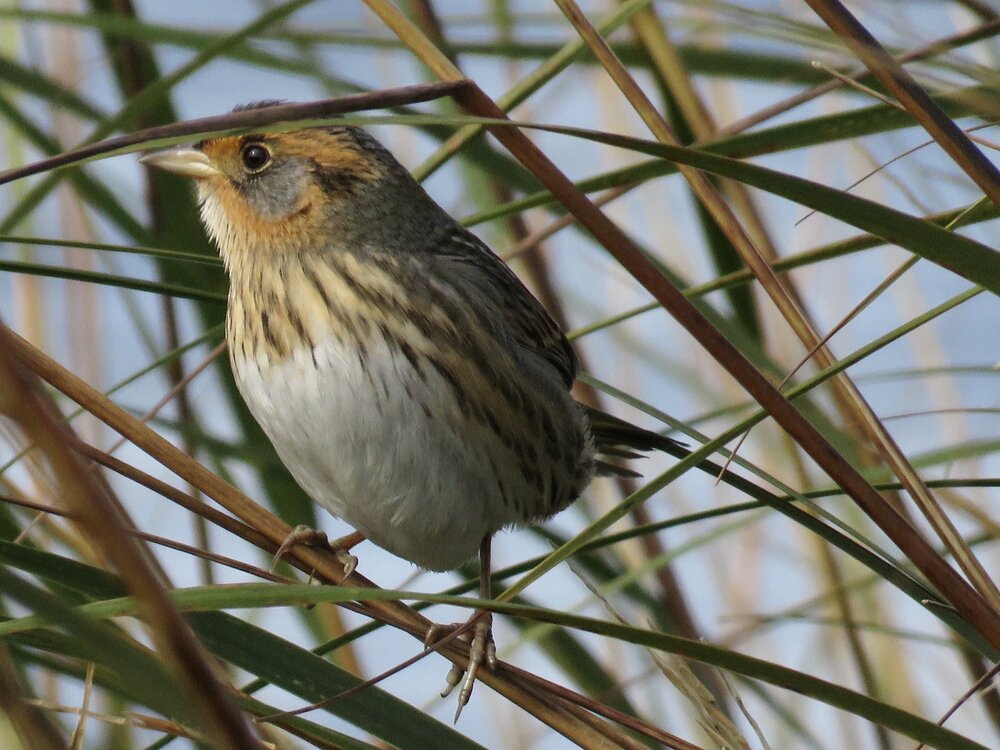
[[764, 568]]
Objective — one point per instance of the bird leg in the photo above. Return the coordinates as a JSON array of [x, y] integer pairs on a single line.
[[482, 648], [302, 534]]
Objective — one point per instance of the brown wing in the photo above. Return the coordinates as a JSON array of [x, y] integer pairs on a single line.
[[523, 316]]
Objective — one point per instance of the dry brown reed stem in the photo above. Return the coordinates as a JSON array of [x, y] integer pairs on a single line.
[[957, 144], [186, 501], [155, 539], [528, 243], [130, 719], [105, 524], [849, 398], [530, 694], [909, 93], [31, 723], [982, 684], [250, 120], [672, 596], [857, 410], [667, 62], [983, 31], [669, 740], [967, 602]]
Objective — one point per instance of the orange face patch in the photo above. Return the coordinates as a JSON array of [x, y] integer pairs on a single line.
[[333, 163], [300, 230], [333, 150], [221, 150]]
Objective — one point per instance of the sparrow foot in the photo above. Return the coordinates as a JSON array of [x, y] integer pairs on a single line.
[[481, 651], [302, 534]]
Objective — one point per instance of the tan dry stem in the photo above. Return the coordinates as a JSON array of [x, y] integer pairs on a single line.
[[858, 410], [528, 692], [105, 524], [963, 597]]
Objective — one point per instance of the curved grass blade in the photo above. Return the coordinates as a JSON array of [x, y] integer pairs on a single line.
[[966, 257], [152, 252], [813, 131], [282, 663], [123, 282], [197, 600], [152, 683], [37, 84]]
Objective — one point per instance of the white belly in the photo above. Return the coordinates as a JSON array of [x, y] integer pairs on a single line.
[[361, 444]]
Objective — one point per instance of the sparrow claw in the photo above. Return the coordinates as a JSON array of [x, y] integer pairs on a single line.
[[455, 675], [302, 534], [437, 631], [481, 651], [349, 561]]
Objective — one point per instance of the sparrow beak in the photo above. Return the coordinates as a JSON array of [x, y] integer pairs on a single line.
[[187, 162]]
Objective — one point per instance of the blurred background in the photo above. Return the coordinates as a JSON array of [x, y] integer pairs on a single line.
[[749, 579]]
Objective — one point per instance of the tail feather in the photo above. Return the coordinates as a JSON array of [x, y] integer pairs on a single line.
[[614, 437], [604, 469], [620, 452]]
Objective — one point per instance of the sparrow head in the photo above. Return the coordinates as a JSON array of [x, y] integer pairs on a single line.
[[300, 191]]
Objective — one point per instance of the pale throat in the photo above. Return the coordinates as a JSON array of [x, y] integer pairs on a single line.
[[248, 240]]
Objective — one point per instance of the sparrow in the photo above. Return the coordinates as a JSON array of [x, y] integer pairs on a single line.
[[408, 380]]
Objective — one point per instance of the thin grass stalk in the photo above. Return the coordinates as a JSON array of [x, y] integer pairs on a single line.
[[983, 31], [237, 122], [30, 722], [106, 525], [668, 65], [850, 395], [528, 85], [964, 598], [187, 416], [900, 83], [856, 646], [564, 718]]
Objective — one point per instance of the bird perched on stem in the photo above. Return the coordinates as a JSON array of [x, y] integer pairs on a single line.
[[408, 380]]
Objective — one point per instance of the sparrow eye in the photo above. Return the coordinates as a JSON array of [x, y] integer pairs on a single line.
[[255, 157]]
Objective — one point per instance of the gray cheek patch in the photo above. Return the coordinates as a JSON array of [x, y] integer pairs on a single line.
[[275, 192]]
